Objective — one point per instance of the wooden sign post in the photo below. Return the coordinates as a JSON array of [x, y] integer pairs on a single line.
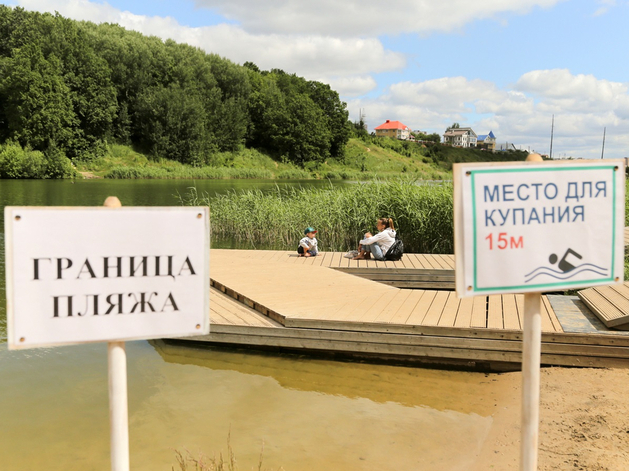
[[107, 274], [531, 363], [118, 409], [531, 355], [531, 227], [118, 397]]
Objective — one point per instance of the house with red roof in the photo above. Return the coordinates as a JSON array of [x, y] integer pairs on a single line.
[[393, 129]]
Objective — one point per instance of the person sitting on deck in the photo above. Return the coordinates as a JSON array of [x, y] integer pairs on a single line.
[[377, 245], [308, 245]]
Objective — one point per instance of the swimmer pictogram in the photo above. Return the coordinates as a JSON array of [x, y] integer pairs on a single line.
[[568, 267]]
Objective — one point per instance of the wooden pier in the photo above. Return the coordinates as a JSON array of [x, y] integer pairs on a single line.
[[364, 309]]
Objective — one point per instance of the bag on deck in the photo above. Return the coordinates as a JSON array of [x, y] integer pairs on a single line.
[[395, 252]]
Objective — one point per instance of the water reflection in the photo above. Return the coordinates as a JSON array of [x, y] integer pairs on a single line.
[[310, 414], [411, 387]]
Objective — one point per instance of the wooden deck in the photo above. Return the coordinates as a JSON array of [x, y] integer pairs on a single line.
[[412, 271], [273, 299], [609, 303]]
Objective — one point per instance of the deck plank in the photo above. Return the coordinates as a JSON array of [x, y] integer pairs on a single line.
[[450, 310], [428, 261], [354, 311], [417, 261], [511, 318], [421, 308], [464, 314], [406, 309], [394, 306], [433, 314], [380, 306], [494, 312], [555, 325], [440, 262], [479, 312], [335, 260], [411, 261]]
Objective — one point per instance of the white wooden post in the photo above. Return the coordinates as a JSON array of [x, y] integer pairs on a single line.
[[118, 409], [531, 359], [531, 354]]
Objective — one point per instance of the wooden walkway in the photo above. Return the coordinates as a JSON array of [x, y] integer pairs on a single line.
[[412, 271], [609, 303], [273, 299]]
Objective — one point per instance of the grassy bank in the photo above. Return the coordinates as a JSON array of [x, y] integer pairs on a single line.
[[369, 158], [422, 215], [362, 161]]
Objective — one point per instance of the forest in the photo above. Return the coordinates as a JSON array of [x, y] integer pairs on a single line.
[[68, 88]]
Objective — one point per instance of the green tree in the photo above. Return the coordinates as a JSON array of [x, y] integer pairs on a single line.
[[171, 122], [36, 101], [336, 113]]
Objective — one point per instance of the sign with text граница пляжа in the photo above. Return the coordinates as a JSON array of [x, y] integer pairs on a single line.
[[78, 275]]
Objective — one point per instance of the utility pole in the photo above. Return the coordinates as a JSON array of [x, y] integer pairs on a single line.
[[552, 128], [603, 150]]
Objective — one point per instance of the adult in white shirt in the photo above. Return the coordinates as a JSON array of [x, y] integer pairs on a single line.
[[379, 244]]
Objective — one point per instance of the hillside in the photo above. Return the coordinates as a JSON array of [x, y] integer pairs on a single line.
[[362, 161]]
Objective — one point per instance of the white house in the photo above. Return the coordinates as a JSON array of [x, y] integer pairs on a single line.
[[460, 137]]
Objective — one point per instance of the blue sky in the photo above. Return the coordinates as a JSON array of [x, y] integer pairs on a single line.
[[501, 65]]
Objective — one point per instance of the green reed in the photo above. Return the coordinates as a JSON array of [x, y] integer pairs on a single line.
[[210, 173], [188, 461], [422, 215]]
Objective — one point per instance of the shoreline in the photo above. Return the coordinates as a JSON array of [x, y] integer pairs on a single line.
[[584, 421]]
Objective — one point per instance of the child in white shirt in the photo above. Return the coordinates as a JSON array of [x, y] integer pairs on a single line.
[[308, 245]]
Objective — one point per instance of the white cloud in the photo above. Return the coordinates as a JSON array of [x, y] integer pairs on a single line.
[[582, 106], [607, 4], [364, 17], [351, 86], [450, 94]]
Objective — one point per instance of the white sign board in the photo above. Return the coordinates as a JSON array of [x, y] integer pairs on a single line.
[[535, 227], [95, 274]]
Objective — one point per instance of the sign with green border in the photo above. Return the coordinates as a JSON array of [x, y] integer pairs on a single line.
[[538, 226]]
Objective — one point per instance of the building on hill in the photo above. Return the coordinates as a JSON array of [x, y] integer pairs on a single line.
[[486, 141], [506, 146], [460, 137], [393, 129]]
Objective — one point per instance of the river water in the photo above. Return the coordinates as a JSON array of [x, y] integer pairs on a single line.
[[298, 413]]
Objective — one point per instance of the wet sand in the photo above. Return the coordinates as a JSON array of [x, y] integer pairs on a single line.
[[584, 424]]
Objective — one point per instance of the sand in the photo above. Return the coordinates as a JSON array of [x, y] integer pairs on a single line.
[[584, 421]]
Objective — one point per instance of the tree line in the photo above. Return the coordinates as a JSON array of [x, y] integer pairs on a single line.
[[72, 87]]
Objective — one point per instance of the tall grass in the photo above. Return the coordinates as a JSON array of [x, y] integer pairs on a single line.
[[422, 215], [210, 173], [188, 462]]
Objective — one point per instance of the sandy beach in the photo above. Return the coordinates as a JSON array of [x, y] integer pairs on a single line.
[[584, 424]]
